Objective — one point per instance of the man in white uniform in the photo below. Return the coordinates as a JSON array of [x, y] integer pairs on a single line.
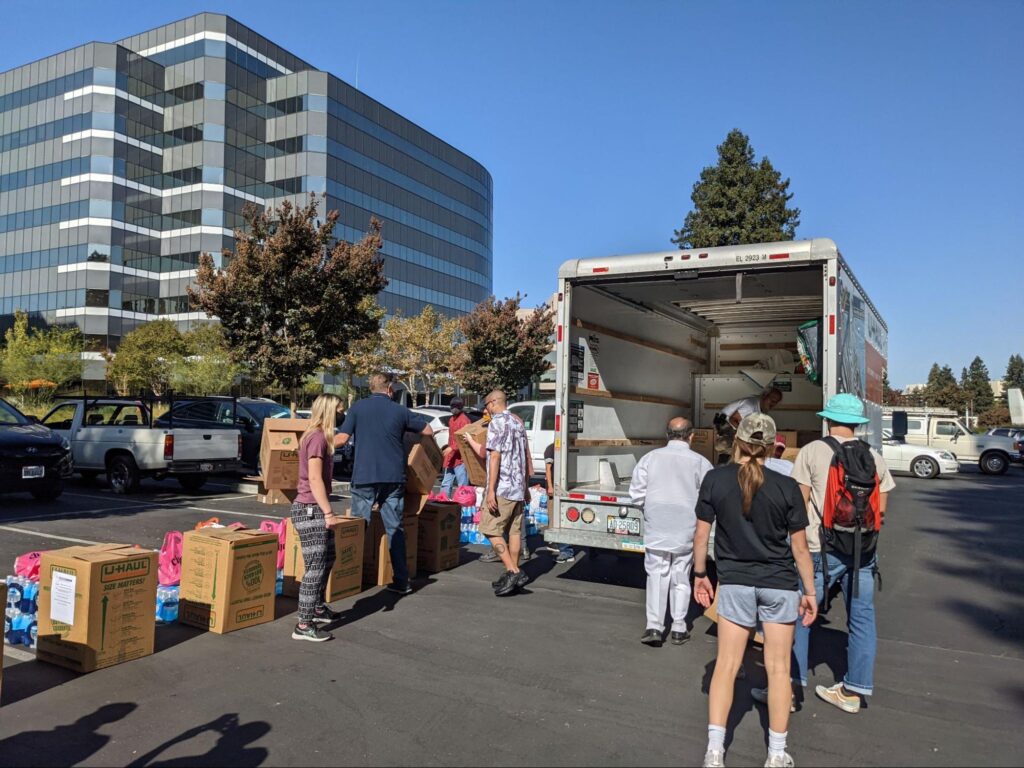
[[665, 483], [731, 415]]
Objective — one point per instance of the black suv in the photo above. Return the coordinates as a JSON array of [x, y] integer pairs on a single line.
[[32, 458]]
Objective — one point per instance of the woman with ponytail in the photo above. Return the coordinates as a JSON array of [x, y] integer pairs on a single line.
[[313, 517], [762, 558]]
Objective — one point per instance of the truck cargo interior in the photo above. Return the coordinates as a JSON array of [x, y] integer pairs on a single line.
[[647, 349]]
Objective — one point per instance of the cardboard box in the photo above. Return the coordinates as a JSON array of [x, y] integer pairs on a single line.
[[96, 606], [266, 495], [279, 452], [346, 577], [423, 462], [438, 548], [703, 442], [475, 468], [377, 569], [790, 454], [790, 436], [228, 579]]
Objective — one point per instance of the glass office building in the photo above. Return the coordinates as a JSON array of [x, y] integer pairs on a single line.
[[121, 162]]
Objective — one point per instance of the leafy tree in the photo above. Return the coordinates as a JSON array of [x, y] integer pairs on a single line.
[[502, 350], [977, 390], [998, 416], [206, 367], [292, 297], [738, 201], [423, 348], [36, 362], [1014, 376], [942, 389], [364, 356], [146, 358]]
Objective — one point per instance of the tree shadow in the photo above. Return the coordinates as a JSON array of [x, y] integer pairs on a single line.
[[232, 747], [65, 745]]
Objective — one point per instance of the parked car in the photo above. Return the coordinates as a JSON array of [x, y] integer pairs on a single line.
[[1014, 433], [217, 412], [32, 458], [438, 420], [118, 436], [925, 463], [539, 419]]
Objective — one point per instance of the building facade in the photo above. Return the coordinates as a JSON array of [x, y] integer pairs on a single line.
[[120, 163]]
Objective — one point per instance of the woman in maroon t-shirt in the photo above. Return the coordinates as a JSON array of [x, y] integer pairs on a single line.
[[313, 518]]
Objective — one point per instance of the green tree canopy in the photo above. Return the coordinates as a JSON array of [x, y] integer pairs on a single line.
[[738, 201], [1014, 376], [502, 350], [145, 358], [977, 390], [36, 362], [206, 367], [291, 300], [942, 389]]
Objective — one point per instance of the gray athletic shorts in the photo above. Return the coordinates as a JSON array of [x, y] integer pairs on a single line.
[[746, 605]]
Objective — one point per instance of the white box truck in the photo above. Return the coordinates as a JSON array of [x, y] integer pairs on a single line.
[[646, 337]]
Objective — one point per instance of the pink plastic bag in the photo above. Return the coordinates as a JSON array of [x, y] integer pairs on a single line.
[[27, 565], [465, 496], [169, 562], [279, 527]]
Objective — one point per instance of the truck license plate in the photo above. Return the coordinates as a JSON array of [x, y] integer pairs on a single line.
[[624, 526], [32, 473], [206, 467]]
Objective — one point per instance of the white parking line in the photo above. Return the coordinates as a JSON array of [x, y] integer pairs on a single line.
[[46, 535], [85, 512]]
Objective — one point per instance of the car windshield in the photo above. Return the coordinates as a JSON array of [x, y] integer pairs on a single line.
[[263, 411], [9, 415]]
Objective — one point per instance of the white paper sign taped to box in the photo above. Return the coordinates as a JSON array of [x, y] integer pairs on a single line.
[[62, 597]]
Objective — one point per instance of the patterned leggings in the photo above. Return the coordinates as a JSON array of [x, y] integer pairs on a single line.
[[317, 554]]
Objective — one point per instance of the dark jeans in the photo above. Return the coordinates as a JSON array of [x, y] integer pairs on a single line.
[[390, 497]]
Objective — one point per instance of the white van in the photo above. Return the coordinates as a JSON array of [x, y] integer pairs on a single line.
[[539, 419]]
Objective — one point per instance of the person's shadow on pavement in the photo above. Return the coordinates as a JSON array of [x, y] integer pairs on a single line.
[[231, 748], [65, 745]]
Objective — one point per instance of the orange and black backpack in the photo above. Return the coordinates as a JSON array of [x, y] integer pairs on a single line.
[[851, 516]]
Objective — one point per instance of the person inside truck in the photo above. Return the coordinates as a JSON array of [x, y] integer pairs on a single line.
[[729, 418]]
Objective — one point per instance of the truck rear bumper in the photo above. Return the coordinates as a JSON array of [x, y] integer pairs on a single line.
[[598, 539], [204, 467]]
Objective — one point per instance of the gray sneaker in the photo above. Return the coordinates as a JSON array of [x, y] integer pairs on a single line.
[[785, 761], [714, 758], [490, 556], [760, 695]]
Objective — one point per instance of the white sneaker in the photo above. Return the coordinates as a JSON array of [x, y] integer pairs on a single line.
[[785, 761], [834, 696], [714, 758]]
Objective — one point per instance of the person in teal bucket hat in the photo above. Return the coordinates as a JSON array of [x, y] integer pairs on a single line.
[[843, 414]]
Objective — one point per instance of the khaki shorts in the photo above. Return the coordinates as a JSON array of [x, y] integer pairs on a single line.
[[509, 519]]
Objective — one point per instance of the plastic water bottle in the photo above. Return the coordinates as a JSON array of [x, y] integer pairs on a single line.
[[8, 616], [23, 625], [15, 591], [33, 631], [16, 632], [30, 596], [279, 584], [166, 604]]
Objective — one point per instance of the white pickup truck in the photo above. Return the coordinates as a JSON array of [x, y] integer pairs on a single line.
[[116, 437]]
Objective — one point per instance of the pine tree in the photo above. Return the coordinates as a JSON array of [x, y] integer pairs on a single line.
[[942, 389], [977, 390], [1014, 377], [738, 201]]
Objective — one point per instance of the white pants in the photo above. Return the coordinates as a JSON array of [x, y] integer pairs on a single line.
[[668, 581]]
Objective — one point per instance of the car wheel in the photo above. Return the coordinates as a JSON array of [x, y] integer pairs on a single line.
[[192, 483], [123, 475], [48, 492], [994, 464], [924, 467]]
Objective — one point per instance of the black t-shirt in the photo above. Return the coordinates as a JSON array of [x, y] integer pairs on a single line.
[[753, 551], [549, 454]]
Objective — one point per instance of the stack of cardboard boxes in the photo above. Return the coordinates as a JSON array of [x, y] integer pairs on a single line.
[[346, 577], [475, 468]]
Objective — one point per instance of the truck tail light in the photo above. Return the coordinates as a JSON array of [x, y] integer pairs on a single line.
[[558, 423], [572, 514], [588, 516], [559, 334], [831, 325], [239, 446], [168, 447]]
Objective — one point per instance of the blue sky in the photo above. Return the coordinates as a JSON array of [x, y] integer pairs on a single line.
[[899, 124]]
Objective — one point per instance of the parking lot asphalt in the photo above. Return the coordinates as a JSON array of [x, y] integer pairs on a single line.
[[451, 675]]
